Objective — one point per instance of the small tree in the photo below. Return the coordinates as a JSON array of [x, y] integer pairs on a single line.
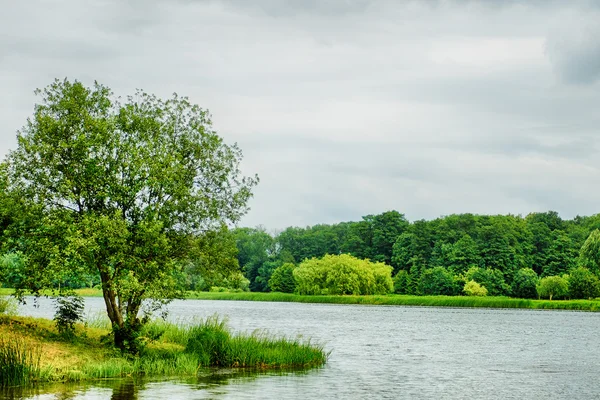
[[69, 310], [473, 288], [402, 282], [524, 284], [282, 279], [583, 284], [553, 287], [438, 281], [589, 255]]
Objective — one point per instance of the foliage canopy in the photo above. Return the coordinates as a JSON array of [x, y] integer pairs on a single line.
[[125, 188]]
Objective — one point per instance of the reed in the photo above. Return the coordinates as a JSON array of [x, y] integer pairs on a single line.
[[19, 362]]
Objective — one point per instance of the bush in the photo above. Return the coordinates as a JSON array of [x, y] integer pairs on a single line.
[[282, 279], [473, 288], [438, 281], [583, 284], [402, 283], [237, 281], [69, 310], [524, 284], [491, 279], [8, 305], [553, 287], [343, 274]]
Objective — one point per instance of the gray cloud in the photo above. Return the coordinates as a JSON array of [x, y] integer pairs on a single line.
[[348, 108], [574, 48]]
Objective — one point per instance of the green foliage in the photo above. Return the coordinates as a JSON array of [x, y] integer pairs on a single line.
[[583, 284], [282, 279], [550, 287], [69, 310], [8, 306], [342, 274], [403, 283], [122, 190], [589, 255], [491, 279], [214, 345], [473, 288], [524, 284], [19, 362], [438, 281]]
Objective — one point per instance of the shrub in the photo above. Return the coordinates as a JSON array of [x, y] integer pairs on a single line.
[[8, 305], [69, 310], [282, 279], [473, 288], [491, 279], [583, 284], [438, 281], [553, 287], [343, 274], [402, 283], [524, 284]]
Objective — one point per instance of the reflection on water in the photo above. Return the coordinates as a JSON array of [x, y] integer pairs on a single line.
[[209, 383]]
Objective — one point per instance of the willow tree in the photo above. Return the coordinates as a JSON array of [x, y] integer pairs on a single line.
[[125, 188]]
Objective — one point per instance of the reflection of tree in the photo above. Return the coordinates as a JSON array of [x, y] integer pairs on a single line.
[[126, 390]]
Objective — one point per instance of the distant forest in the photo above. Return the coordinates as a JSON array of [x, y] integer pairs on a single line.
[[498, 251]]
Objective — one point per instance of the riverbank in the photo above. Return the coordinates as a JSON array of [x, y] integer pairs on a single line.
[[405, 300], [32, 350], [385, 300]]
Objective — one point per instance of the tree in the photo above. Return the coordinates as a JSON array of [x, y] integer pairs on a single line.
[[524, 284], [122, 189], [583, 284], [402, 283], [438, 281], [491, 279], [553, 286], [343, 274], [589, 255], [473, 288], [282, 279]]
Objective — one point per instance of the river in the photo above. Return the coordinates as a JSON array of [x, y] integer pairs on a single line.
[[384, 352]]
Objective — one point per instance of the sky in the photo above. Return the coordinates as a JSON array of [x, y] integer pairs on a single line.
[[347, 108]]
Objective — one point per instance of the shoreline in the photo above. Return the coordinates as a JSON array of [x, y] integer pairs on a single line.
[[384, 300]]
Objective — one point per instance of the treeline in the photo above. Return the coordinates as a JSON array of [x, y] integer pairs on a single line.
[[506, 254]]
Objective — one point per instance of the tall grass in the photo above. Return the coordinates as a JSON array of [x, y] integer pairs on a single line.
[[214, 345], [408, 300], [19, 362]]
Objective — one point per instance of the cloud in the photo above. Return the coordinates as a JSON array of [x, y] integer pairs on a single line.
[[574, 48], [348, 108]]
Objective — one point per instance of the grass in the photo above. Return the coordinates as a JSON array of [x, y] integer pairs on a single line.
[[32, 350], [389, 300], [407, 300], [19, 362]]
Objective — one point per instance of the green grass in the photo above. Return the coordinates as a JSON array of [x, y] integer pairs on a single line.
[[169, 350], [406, 300], [19, 362], [390, 300]]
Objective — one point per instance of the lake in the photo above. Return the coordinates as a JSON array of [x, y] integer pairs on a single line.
[[383, 352]]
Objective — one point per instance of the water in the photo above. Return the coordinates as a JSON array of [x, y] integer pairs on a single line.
[[386, 352]]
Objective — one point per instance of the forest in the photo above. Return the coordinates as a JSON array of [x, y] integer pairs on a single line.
[[539, 255], [509, 255]]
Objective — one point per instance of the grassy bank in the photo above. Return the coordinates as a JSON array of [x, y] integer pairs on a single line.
[[404, 300], [31, 350], [389, 300]]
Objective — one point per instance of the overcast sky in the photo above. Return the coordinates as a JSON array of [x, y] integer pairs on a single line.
[[347, 108]]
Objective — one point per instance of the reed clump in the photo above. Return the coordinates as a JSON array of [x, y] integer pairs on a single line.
[[19, 362]]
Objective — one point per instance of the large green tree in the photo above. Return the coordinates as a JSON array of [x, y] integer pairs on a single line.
[[125, 189]]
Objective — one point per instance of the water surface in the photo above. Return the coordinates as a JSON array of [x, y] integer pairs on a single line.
[[386, 352]]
